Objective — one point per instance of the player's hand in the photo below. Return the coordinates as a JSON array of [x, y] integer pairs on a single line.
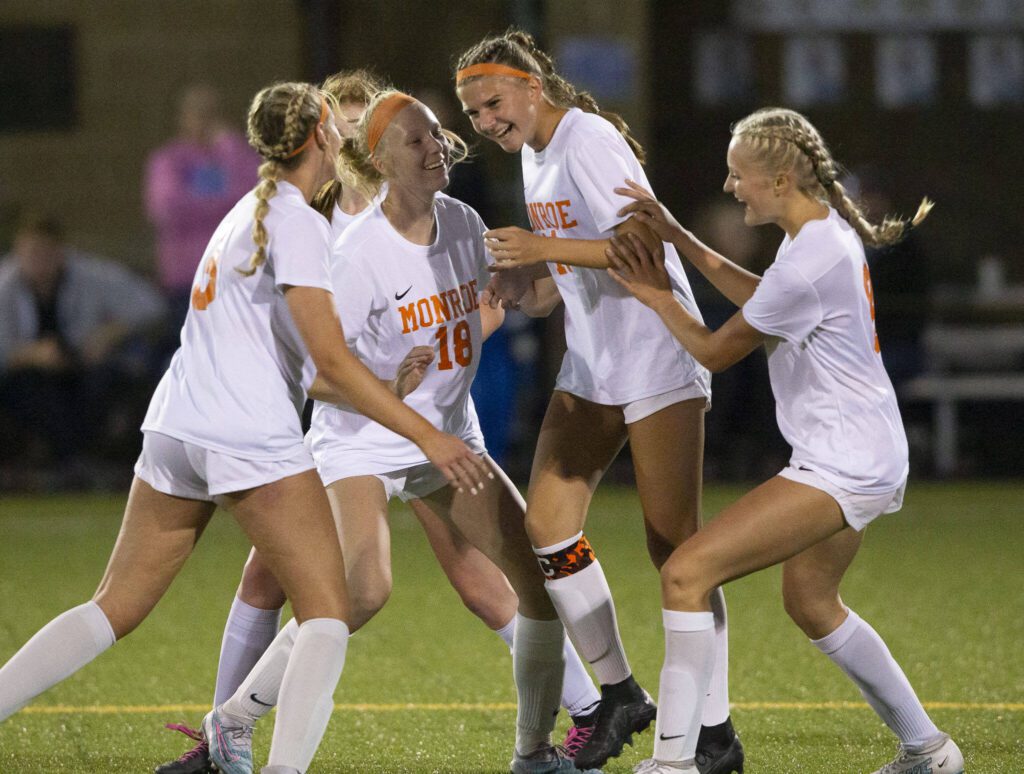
[[507, 289], [463, 469], [513, 247], [649, 211], [638, 271], [412, 369]]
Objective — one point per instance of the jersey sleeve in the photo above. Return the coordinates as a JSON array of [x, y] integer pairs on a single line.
[[353, 294], [597, 166], [785, 304], [301, 251], [477, 227]]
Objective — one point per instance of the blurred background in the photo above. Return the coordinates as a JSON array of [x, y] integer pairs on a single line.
[[121, 148]]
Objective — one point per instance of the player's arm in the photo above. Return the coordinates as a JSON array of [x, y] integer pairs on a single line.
[[491, 318], [314, 314], [409, 376], [542, 298], [732, 281], [513, 247], [644, 275]]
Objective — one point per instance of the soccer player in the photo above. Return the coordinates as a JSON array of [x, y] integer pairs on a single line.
[[813, 310], [408, 274], [223, 428], [623, 377], [256, 611]]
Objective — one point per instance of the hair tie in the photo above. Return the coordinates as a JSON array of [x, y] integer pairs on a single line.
[[312, 134], [383, 115], [490, 68]]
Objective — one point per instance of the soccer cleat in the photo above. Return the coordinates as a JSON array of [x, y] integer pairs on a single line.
[[651, 766], [942, 757], [579, 734], [195, 761], [547, 760], [230, 743], [722, 755], [625, 709]]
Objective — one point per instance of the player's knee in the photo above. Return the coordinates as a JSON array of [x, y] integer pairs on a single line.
[[367, 597], [259, 587], [685, 583], [492, 602], [813, 612]]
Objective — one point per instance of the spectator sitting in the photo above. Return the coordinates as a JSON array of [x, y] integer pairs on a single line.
[[66, 320], [191, 183]]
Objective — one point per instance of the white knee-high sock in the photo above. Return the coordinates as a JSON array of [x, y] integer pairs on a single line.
[[579, 694], [55, 652], [584, 603], [508, 633], [258, 692], [307, 692], [716, 708], [858, 650], [685, 679], [248, 632], [538, 665]]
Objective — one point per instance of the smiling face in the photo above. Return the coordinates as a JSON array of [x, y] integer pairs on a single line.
[[414, 153], [752, 185], [503, 109]]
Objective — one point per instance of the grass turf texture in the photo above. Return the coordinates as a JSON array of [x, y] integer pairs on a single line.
[[941, 581]]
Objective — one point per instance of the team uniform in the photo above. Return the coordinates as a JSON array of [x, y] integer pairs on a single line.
[[226, 415], [569, 194], [393, 295], [835, 404]]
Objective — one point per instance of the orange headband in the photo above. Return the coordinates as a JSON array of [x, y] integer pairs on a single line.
[[490, 68], [383, 115], [312, 134]]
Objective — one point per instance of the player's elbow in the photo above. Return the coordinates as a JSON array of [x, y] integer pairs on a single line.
[[334, 366]]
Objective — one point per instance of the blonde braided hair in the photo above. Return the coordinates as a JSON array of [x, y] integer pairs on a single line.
[[517, 48], [784, 140], [281, 118]]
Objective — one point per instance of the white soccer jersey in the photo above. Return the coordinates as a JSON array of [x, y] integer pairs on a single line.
[[238, 383], [834, 401], [341, 220], [393, 295], [618, 350]]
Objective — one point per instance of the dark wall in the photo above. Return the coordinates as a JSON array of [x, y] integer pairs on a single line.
[[969, 161]]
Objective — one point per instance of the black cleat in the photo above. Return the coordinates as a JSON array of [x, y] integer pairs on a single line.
[[625, 709], [719, 750], [195, 761]]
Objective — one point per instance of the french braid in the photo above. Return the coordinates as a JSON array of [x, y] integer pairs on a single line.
[[281, 117], [518, 49], [783, 139]]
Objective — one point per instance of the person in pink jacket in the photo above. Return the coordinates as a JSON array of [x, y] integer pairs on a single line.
[[190, 184]]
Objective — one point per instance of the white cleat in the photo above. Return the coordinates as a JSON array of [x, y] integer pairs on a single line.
[[942, 757], [652, 766]]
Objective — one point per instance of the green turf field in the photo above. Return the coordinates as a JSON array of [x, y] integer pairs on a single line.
[[427, 689]]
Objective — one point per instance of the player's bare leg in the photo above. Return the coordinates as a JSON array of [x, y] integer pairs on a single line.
[[668, 457]]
